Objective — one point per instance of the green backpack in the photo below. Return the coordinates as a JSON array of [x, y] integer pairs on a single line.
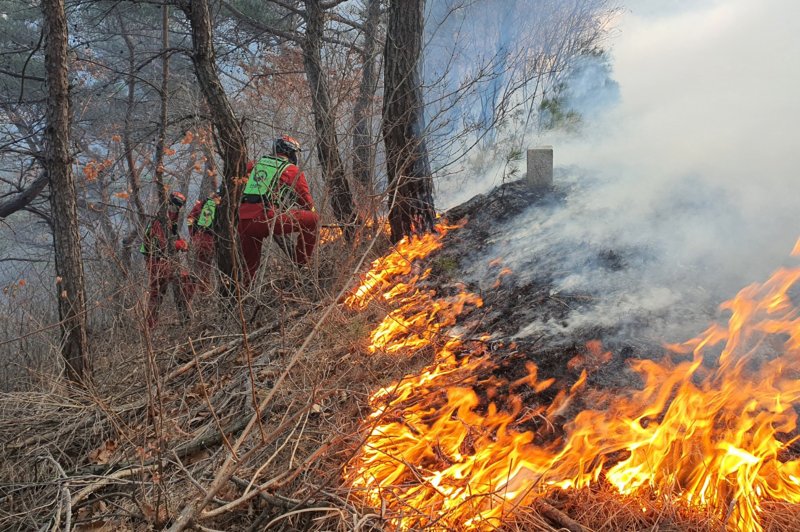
[[207, 214], [265, 175], [265, 181]]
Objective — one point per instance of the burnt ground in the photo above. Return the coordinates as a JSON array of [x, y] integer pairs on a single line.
[[511, 303]]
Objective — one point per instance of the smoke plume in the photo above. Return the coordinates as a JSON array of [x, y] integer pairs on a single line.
[[683, 191]]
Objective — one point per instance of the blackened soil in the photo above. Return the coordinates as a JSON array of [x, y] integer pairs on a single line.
[[510, 305]]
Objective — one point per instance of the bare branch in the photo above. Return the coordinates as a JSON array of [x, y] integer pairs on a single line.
[[22, 76], [25, 197], [260, 26]]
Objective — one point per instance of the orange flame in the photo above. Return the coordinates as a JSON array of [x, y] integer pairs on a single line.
[[395, 264], [418, 320], [328, 235], [710, 426]]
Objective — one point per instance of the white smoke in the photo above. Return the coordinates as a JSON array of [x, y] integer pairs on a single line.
[[690, 181]]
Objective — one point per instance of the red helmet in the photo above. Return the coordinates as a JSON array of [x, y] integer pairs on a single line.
[[288, 146], [177, 199]]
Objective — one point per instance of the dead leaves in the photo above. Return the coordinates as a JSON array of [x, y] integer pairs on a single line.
[[91, 518], [157, 516], [92, 169], [103, 454]]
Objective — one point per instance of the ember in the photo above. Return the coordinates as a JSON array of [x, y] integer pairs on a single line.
[[710, 426]]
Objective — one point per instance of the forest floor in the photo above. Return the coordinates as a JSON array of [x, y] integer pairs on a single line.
[[255, 421]]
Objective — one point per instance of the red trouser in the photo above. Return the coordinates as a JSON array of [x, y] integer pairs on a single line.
[[256, 223], [203, 257], [162, 273]]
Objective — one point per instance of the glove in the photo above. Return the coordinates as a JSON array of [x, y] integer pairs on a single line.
[[181, 245]]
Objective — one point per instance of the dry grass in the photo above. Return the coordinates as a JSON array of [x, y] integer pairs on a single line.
[[164, 411]]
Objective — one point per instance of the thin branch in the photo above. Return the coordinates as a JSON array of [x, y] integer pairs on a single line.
[[25, 66], [261, 26], [23, 76]]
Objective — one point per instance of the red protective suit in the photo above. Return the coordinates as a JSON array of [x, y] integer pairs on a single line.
[[164, 271], [258, 220], [202, 249]]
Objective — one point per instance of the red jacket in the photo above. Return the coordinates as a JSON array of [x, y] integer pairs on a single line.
[[293, 177], [194, 214], [155, 241]]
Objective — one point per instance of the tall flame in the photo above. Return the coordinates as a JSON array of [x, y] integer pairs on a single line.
[[710, 426]]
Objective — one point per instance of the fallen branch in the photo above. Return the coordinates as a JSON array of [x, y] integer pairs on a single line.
[[108, 479], [329, 509], [85, 421], [208, 400], [282, 479], [224, 347], [65, 497], [557, 517], [273, 500], [209, 438]]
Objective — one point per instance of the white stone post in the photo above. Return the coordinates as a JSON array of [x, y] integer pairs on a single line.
[[540, 167]]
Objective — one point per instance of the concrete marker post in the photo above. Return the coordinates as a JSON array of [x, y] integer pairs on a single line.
[[540, 167]]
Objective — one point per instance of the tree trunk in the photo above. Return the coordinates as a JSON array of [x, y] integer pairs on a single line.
[[58, 165], [208, 183], [324, 119], [158, 176], [234, 148], [409, 172], [363, 142], [139, 216], [161, 140], [133, 174]]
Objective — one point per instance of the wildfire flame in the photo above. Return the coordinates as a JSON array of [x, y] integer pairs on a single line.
[[397, 263], [328, 235], [711, 425], [418, 320]]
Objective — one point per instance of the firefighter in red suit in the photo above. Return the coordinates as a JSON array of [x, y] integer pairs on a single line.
[[162, 269], [200, 222], [276, 201]]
